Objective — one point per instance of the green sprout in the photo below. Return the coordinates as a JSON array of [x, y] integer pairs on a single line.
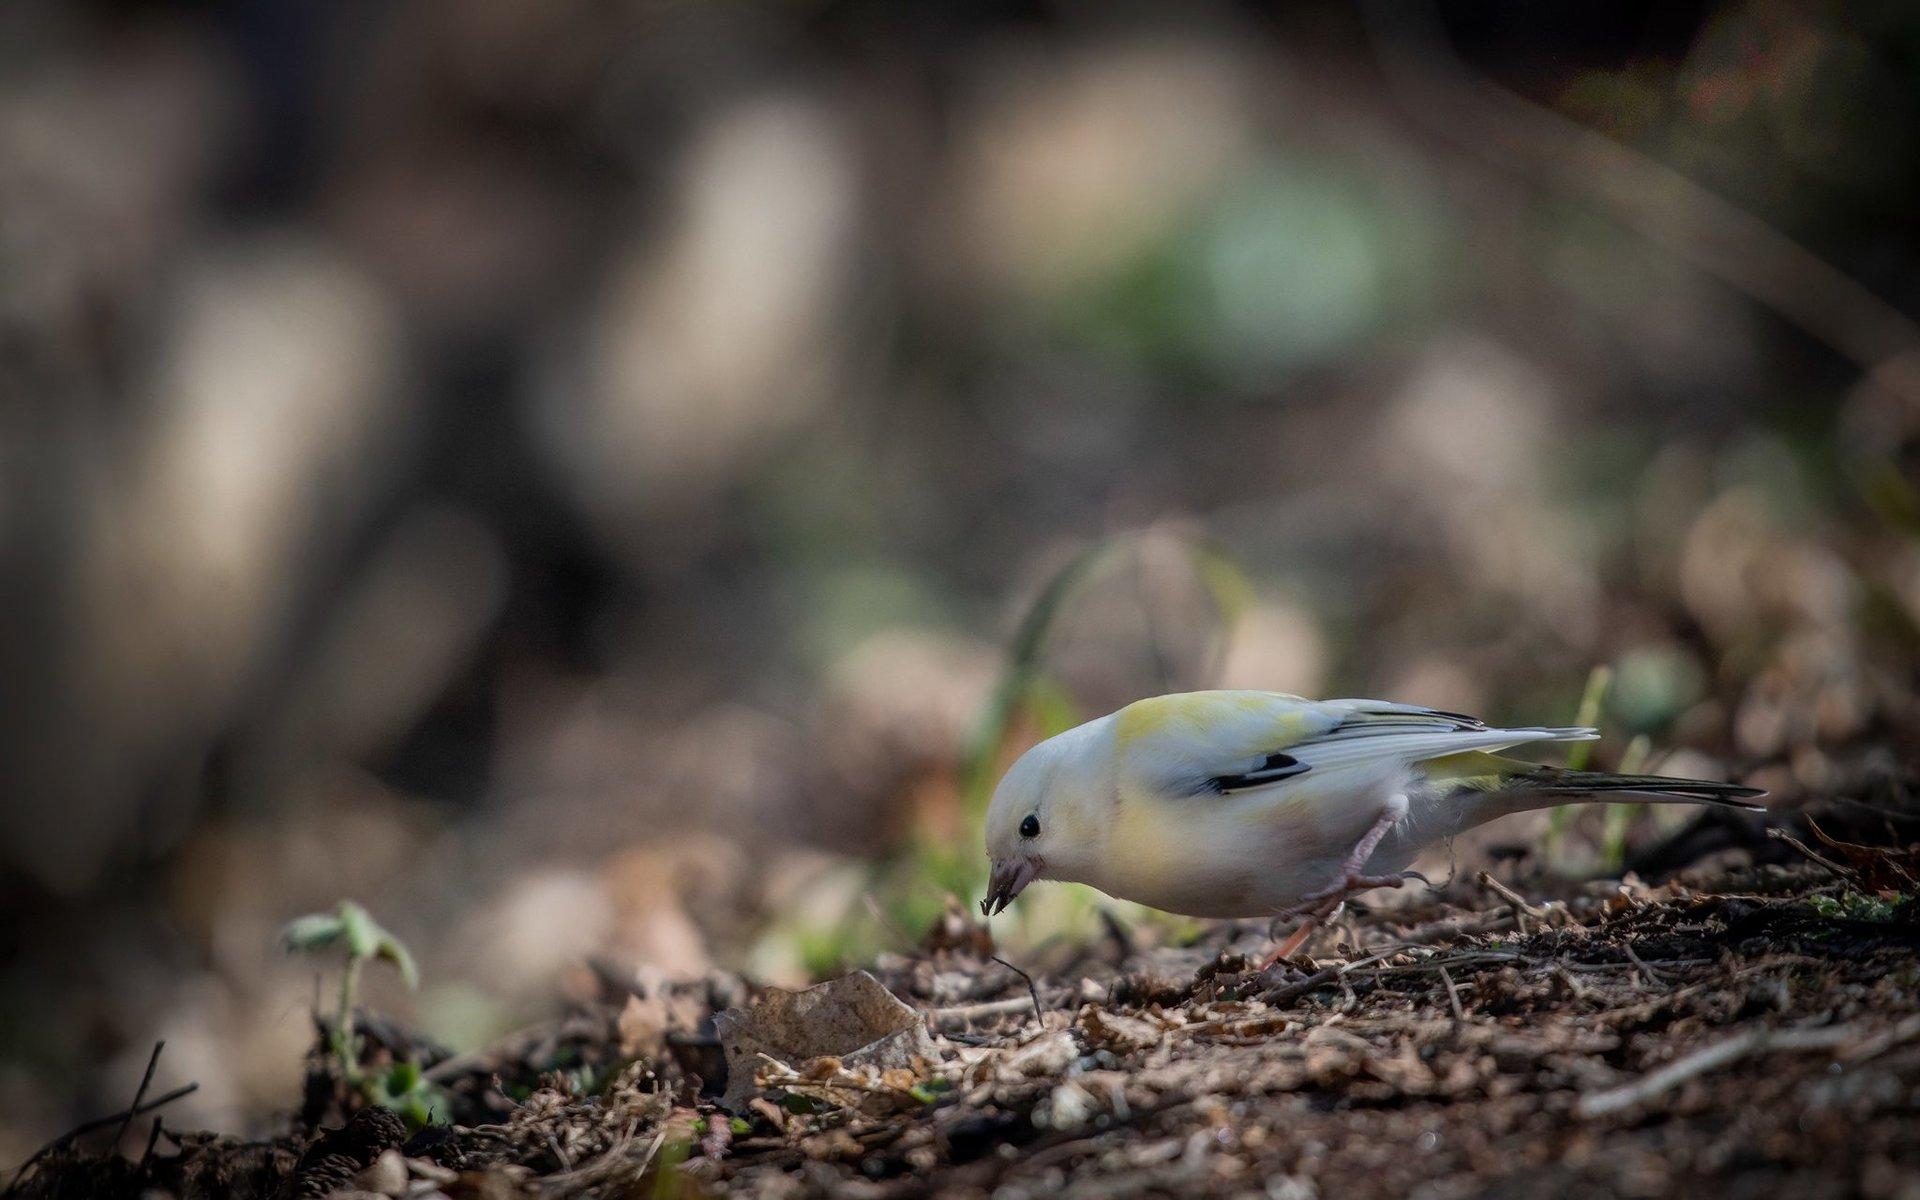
[[400, 1087], [669, 1183], [1858, 906], [1593, 702]]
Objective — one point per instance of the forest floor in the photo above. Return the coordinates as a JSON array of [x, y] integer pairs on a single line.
[[1747, 1028]]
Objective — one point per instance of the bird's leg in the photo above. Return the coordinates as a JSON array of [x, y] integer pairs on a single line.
[[1298, 937], [1317, 906], [1350, 879]]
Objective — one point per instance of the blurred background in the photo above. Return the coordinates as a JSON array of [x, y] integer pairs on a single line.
[[613, 477]]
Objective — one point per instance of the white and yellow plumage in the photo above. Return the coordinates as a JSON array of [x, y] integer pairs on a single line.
[[1251, 804]]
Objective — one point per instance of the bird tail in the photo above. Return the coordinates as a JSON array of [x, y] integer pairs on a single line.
[[1494, 786], [1563, 786]]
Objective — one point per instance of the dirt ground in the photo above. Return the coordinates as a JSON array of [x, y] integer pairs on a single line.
[[1747, 1028]]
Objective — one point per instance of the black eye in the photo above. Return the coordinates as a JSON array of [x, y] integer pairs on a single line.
[[1030, 828]]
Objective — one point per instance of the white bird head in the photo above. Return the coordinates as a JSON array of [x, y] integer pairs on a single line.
[[1046, 819]]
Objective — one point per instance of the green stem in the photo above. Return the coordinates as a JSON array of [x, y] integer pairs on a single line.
[[345, 1046]]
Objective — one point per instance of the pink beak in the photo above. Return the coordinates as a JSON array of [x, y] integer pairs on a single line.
[[1010, 878]]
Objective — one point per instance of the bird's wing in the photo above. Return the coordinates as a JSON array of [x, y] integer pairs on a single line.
[[1220, 743]]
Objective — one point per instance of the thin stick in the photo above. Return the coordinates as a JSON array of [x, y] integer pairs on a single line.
[[1509, 895], [1449, 928], [1032, 991], [1781, 835], [140, 1093], [565, 1182], [1882, 1042], [97, 1123], [1710, 1058], [962, 1015], [1453, 994], [1288, 993], [1572, 981], [1653, 977]]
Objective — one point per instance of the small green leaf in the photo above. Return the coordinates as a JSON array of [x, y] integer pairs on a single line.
[[390, 949], [363, 934], [366, 940], [740, 1127], [923, 1093], [315, 931], [433, 1103]]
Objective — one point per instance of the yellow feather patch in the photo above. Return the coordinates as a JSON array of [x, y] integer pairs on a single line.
[[1472, 768], [1285, 720]]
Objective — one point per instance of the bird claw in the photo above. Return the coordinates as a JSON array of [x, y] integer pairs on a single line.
[[1349, 883]]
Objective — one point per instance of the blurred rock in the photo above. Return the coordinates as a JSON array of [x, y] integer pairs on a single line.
[[721, 330], [187, 568], [392, 645], [1469, 441], [387, 1176], [1069, 164], [540, 925], [1275, 646]]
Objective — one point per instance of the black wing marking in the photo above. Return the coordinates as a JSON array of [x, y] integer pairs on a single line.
[[1364, 723], [1276, 767]]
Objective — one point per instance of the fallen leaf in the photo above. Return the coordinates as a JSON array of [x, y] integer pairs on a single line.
[[853, 1019]]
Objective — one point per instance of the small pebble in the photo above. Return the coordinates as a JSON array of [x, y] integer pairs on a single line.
[[386, 1176]]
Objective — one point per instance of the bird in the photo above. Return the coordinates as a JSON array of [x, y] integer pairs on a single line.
[[1238, 804]]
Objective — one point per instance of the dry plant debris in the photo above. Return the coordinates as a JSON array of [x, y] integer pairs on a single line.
[[1740, 1032]]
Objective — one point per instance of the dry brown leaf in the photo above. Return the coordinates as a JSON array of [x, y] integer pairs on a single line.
[[642, 1026], [853, 1020]]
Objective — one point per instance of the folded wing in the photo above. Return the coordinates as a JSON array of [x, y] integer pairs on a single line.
[[1226, 743]]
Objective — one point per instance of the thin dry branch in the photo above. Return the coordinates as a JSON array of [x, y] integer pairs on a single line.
[[1719, 1054]]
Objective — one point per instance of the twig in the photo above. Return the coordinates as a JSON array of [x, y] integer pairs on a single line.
[[1288, 993], [1883, 1041], [1658, 962], [962, 1015], [1032, 991], [1453, 994], [1512, 897], [1710, 1058], [1653, 977], [87, 1127], [153, 1139], [1781, 835], [140, 1093], [1449, 928], [603, 1167]]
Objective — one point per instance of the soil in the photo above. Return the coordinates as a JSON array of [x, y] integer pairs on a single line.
[[1746, 1028]]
